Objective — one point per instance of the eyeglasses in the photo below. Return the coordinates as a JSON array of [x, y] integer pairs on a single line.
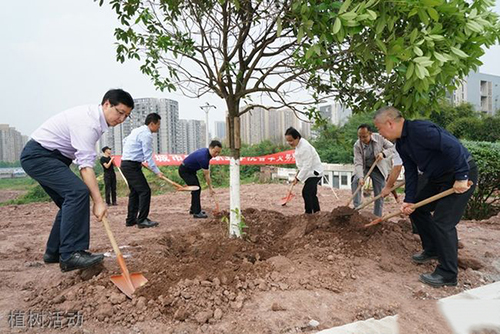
[[122, 113]]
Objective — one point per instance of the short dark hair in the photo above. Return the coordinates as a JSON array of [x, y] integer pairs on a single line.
[[117, 96], [215, 143], [153, 117], [291, 131], [365, 126], [105, 148]]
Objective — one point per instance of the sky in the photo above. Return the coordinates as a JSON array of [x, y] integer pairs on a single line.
[[57, 54]]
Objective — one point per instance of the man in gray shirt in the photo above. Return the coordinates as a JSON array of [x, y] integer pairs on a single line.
[[367, 149]]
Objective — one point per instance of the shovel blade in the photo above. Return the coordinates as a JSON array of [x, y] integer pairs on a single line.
[[122, 283], [287, 199], [374, 222]]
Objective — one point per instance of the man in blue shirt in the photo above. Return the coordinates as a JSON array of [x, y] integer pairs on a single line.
[[446, 164], [199, 159], [137, 148]]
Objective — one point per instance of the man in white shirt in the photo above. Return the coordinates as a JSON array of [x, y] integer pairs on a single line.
[[72, 136], [310, 169], [138, 148]]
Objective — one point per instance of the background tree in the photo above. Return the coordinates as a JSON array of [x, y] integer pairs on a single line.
[[363, 52]]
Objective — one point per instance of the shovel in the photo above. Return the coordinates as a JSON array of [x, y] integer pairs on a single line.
[[364, 180], [126, 282], [289, 196], [396, 186], [123, 176], [416, 205], [178, 186], [217, 207]]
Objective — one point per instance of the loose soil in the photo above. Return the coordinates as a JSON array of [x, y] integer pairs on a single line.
[[289, 268]]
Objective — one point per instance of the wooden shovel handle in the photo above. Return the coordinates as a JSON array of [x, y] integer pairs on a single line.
[[123, 176], [116, 249], [396, 186], [175, 184], [416, 205], [364, 180]]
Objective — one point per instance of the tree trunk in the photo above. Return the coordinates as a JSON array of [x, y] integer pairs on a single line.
[[234, 137]]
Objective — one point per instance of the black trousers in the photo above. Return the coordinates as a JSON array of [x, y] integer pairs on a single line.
[[191, 179], [310, 194], [139, 199], [110, 187], [438, 231], [71, 229]]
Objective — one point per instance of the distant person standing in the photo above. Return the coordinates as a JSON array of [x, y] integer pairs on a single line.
[[109, 175], [199, 159], [66, 137], [310, 169], [138, 148]]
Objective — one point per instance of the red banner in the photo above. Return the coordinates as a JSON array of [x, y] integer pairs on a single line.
[[280, 158]]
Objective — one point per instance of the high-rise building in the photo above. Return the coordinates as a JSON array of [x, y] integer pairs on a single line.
[[220, 130], [11, 143], [479, 89], [191, 135], [335, 113], [165, 140], [261, 124]]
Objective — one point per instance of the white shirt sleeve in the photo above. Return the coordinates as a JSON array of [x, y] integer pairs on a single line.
[[83, 139]]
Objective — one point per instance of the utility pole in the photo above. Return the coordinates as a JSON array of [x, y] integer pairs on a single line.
[[206, 108]]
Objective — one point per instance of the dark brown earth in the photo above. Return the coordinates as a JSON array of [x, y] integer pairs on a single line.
[[287, 270]]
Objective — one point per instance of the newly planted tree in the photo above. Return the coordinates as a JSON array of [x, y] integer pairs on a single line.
[[365, 53]]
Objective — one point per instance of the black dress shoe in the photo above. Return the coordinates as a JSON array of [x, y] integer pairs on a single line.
[[114, 204], [202, 211], [201, 214], [437, 281], [147, 223], [80, 260], [51, 258], [423, 257], [128, 224]]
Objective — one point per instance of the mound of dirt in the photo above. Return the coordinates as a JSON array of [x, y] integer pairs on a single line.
[[202, 275]]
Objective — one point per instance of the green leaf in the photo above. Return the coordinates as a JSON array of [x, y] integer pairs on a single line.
[[349, 16], [422, 14], [381, 45], [437, 37], [432, 3], [419, 70], [380, 25], [372, 14], [344, 6], [433, 13], [409, 71], [474, 26], [413, 35], [459, 52], [300, 35], [440, 57], [418, 51], [336, 26], [389, 65]]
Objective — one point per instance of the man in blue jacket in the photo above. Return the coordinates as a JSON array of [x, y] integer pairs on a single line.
[[446, 164], [199, 159]]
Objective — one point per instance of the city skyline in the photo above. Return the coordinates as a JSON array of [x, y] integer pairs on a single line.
[[46, 70]]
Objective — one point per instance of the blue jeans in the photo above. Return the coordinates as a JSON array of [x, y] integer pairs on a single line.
[[71, 229]]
